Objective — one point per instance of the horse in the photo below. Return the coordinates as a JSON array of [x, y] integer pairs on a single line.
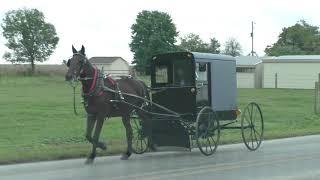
[[98, 103]]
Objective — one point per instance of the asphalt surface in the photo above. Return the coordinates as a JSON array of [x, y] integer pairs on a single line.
[[283, 159]]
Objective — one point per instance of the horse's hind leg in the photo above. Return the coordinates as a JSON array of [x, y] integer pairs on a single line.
[[129, 134], [95, 140]]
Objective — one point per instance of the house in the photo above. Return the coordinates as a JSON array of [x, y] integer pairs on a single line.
[[248, 73], [296, 71], [114, 66]]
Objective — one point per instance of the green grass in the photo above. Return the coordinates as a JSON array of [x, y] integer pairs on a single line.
[[286, 112], [37, 120]]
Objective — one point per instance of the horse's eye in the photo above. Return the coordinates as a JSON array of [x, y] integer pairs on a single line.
[[68, 63]]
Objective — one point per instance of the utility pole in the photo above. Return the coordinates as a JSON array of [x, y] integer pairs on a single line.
[[252, 52]]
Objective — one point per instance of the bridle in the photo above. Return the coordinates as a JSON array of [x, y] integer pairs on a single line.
[[74, 82], [83, 62]]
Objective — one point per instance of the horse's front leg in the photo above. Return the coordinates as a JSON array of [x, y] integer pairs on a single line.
[[129, 134], [91, 120], [95, 141]]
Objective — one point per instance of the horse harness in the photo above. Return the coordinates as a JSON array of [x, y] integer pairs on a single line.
[[97, 87]]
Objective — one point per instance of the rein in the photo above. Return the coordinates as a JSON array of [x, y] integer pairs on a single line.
[[74, 101], [92, 90], [74, 84]]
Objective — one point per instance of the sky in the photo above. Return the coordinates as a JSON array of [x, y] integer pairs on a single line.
[[103, 26]]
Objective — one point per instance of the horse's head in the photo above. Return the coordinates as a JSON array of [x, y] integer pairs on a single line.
[[75, 64]]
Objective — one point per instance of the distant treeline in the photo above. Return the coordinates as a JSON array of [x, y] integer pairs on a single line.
[[25, 69]]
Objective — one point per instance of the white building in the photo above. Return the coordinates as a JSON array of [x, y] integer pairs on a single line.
[[299, 71], [248, 72], [115, 66]]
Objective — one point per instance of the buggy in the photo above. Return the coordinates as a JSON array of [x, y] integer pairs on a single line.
[[193, 98]]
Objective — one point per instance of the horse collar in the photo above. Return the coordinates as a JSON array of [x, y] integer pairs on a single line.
[[93, 86]]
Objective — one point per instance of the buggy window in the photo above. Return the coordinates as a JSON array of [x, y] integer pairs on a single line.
[[173, 71], [201, 72], [161, 74], [182, 76], [203, 87]]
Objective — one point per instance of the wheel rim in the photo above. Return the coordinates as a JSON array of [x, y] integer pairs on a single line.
[[207, 131], [139, 140], [252, 126]]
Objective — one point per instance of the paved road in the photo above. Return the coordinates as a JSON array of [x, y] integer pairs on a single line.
[[294, 159]]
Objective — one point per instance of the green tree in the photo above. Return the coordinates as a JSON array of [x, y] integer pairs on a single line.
[[301, 38], [193, 42], [152, 33], [214, 46], [29, 37], [232, 47]]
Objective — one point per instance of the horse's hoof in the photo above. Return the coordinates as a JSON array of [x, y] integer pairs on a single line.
[[89, 161], [102, 146], [153, 147], [124, 156]]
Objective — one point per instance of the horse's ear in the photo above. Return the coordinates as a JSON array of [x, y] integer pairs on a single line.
[[82, 51], [74, 50]]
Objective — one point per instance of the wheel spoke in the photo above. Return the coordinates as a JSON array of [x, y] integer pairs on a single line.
[[141, 145], [206, 147], [213, 141], [248, 120], [254, 116], [251, 137], [251, 113], [256, 132]]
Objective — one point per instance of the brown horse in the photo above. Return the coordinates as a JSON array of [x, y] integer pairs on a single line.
[[97, 101]]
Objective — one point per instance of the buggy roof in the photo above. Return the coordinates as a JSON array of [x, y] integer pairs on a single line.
[[209, 56]]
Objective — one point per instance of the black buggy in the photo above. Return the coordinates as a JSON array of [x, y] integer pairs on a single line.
[[193, 98]]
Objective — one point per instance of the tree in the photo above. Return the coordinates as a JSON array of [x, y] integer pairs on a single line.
[[152, 33], [301, 38], [232, 47], [29, 37], [193, 42], [214, 46]]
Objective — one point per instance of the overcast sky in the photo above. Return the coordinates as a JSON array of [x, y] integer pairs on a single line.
[[103, 27]]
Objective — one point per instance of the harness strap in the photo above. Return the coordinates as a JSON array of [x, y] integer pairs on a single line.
[[94, 80]]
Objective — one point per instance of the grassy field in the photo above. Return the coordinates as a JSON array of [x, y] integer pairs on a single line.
[[37, 120]]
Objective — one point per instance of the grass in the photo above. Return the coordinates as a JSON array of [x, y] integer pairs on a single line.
[[37, 120], [286, 112]]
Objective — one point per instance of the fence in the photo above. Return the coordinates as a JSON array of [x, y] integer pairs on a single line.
[[25, 69]]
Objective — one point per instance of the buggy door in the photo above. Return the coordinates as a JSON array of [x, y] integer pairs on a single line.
[[173, 85]]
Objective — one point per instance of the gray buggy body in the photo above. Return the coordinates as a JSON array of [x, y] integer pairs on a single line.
[[223, 80]]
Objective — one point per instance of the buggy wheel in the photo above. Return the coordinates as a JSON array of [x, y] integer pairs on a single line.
[[207, 131], [252, 126], [139, 139]]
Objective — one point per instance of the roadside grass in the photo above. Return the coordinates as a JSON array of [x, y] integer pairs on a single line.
[[37, 120]]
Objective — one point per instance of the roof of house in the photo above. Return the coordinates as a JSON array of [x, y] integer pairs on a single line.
[[247, 60], [104, 60], [292, 58]]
